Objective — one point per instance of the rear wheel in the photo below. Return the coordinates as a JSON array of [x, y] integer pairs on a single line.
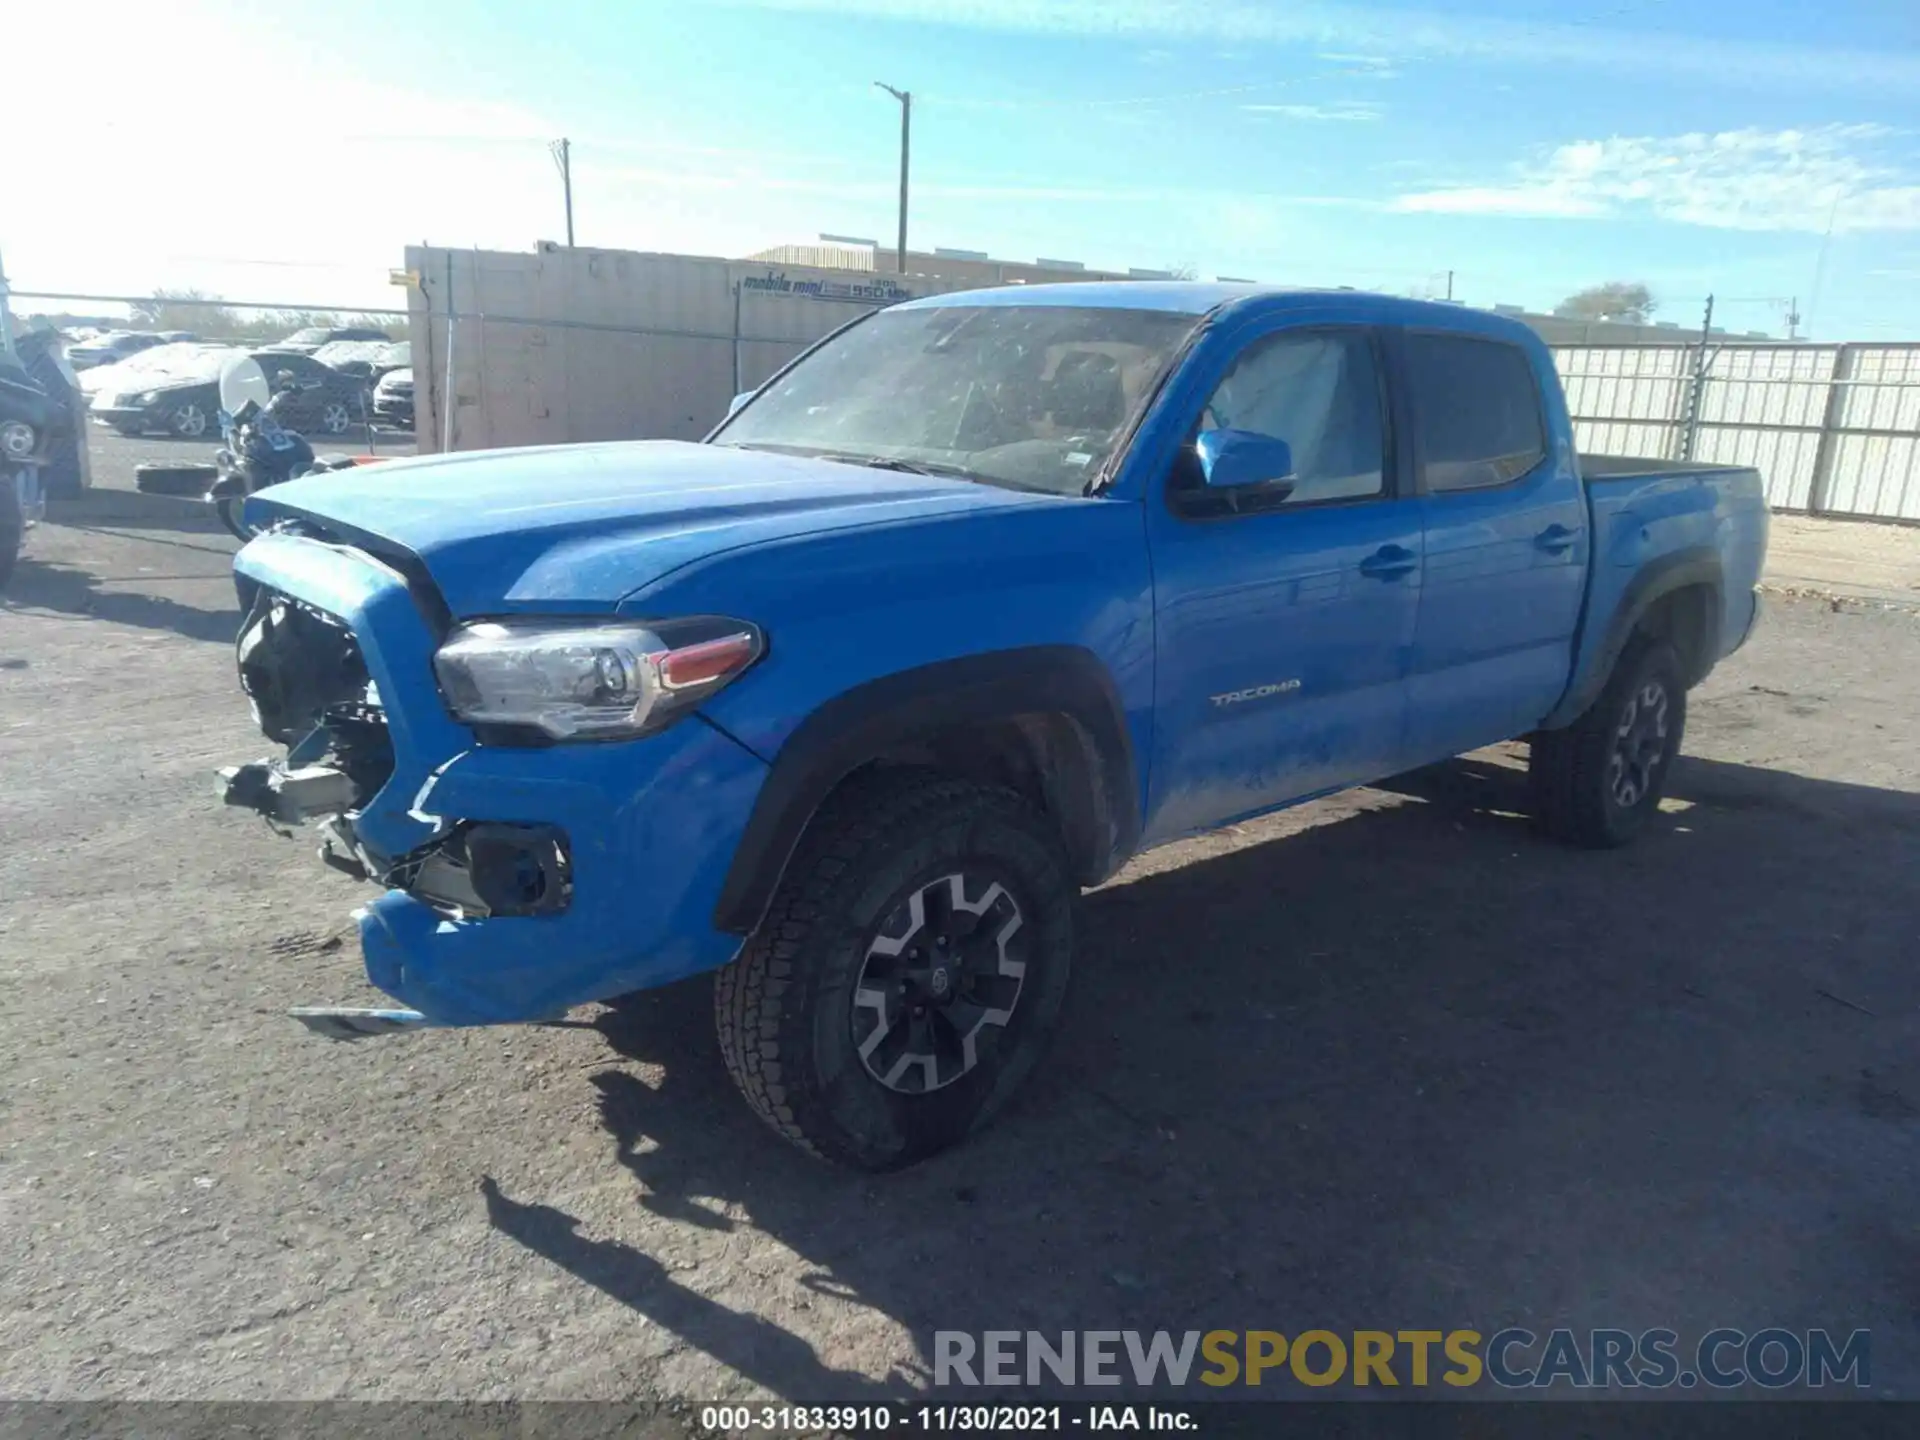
[[908, 974], [336, 417], [1599, 781]]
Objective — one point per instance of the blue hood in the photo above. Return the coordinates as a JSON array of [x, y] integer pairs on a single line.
[[580, 526]]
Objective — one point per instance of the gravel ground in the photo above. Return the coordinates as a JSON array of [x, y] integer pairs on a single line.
[[1384, 1061]]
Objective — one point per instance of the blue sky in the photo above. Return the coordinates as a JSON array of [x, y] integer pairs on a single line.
[[1530, 148]]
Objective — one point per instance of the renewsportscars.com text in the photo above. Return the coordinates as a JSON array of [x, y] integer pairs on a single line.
[[1514, 1358]]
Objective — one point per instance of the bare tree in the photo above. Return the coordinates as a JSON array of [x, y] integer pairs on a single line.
[[192, 310], [1628, 301], [204, 315]]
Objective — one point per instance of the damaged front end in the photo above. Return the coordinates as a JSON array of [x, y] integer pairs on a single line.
[[308, 686], [520, 879], [307, 682]]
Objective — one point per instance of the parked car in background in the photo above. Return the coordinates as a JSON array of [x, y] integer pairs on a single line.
[[393, 399], [185, 400], [111, 348], [311, 339], [138, 370], [365, 360]]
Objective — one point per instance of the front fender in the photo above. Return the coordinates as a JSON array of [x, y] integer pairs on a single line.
[[1091, 776]]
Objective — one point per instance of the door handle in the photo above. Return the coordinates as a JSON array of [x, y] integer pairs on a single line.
[[1555, 539], [1389, 562]]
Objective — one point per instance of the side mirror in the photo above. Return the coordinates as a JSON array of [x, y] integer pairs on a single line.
[[1246, 459], [734, 404]]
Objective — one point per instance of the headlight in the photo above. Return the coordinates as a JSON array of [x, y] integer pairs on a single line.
[[16, 440], [574, 681], [150, 397]]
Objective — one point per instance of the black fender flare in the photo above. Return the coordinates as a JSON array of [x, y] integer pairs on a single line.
[[1071, 717], [1695, 566]]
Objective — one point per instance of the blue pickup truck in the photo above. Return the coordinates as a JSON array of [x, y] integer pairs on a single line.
[[977, 598]]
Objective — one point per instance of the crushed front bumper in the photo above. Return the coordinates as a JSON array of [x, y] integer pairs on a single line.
[[645, 828]]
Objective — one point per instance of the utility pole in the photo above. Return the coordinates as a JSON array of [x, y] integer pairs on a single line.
[[905, 97], [563, 157], [1696, 392], [1449, 285], [1793, 318]]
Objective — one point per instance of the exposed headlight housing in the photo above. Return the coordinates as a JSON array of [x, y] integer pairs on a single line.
[[572, 680], [17, 440]]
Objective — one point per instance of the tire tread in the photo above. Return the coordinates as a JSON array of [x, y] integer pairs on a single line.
[[752, 995]]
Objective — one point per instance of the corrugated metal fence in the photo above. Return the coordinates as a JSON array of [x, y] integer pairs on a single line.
[[1833, 429]]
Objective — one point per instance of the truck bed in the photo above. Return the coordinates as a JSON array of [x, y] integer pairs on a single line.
[[1655, 518], [1626, 467]]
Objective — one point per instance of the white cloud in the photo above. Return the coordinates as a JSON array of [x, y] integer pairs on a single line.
[[1734, 180], [1362, 67], [1345, 112], [1344, 29]]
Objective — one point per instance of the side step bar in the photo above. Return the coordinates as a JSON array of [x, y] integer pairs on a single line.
[[352, 1022], [357, 1022]]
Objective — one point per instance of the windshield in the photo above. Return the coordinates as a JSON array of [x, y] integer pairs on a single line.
[[1033, 397]]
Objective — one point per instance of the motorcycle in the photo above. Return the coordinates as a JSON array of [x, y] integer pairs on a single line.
[[30, 422], [257, 449]]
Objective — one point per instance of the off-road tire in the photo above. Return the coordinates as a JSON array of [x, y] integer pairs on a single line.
[[228, 508], [1574, 794], [784, 1006], [182, 481]]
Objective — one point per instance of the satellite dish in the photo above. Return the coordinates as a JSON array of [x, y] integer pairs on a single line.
[[243, 380]]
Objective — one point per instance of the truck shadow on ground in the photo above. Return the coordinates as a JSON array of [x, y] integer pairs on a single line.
[[1406, 1066], [80, 594]]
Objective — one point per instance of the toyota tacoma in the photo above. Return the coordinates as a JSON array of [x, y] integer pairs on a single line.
[[977, 598]]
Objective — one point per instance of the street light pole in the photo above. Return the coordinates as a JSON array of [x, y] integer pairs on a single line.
[[905, 97], [563, 157]]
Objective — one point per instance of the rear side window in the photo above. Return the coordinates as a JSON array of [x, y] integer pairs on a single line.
[[1478, 411]]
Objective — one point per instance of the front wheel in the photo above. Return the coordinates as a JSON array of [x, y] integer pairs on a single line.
[[189, 421], [1598, 782], [908, 974]]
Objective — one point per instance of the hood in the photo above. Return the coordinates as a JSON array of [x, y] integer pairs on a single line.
[[581, 526]]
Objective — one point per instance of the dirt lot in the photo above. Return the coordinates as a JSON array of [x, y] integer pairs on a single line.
[[1386, 1061]]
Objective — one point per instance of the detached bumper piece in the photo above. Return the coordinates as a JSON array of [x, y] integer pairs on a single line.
[[287, 794], [347, 1022]]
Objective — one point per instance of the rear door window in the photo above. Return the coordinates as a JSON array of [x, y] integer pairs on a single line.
[[1477, 407]]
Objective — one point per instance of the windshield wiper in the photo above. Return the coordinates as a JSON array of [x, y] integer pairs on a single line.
[[886, 462]]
